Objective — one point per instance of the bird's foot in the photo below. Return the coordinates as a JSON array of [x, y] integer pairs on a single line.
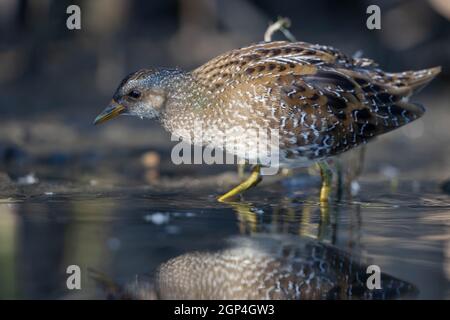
[[327, 177], [252, 180]]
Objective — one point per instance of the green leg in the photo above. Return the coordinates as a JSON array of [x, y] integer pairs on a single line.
[[327, 177], [252, 180]]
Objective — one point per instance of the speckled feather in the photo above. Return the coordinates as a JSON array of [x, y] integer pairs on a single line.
[[321, 101]]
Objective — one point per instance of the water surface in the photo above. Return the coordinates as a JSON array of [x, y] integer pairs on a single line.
[[127, 234]]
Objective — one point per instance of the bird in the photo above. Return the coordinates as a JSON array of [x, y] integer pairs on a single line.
[[317, 101], [263, 267]]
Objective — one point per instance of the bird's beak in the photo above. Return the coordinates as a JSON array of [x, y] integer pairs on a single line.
[[113, 110]]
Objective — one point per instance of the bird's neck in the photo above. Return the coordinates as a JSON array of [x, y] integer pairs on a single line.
[[186, 92], [188, 102]]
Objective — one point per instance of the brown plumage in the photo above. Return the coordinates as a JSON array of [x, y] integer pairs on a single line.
[[321, 101], [316, 100]]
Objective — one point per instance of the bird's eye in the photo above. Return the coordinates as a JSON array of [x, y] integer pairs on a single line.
[[134, 94]]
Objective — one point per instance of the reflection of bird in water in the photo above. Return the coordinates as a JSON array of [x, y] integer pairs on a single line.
[[270, 267]]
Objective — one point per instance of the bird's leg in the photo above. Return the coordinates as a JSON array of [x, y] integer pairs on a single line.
[[252, 180], [248, 220], [327, 177], [305, 221]]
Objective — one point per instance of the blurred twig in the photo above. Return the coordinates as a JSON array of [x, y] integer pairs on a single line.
[[282, 24]]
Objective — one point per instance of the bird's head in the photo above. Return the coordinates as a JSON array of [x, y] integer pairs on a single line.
[[142, 93]]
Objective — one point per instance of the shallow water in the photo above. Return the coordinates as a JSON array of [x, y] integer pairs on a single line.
[[127, 234]]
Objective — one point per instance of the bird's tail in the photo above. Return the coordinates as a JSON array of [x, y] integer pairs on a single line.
[[412, 80]]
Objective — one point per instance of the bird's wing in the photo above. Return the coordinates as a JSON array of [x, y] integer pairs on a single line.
[[335, 109]]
